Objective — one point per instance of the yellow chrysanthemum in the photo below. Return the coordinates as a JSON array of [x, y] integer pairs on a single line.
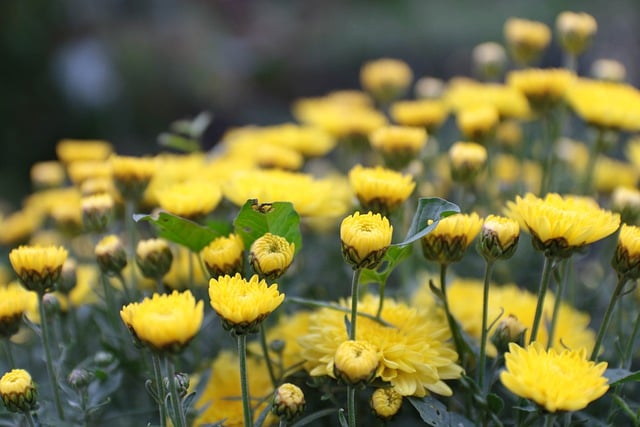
[[526, 39], [307, 140], [18, 391], [451, 237], [224, 255], [427, 113], [38, 267], [74, 150], [82, 171], [386, 79], [288, 402], [379, 189], [110, 254], [399, 144], [131, 175], [414, 353], [260, 147], [49, 174], [243, 304], [164, 322], [557, 381], [365, 239], [509, 133], [193, 199], [476, 122], [559, 225], [575, 31], [626, 259], [356, 362], [13, 304], [271, 255], [19, 226], [385, 402], [507, 100], [610, 173], [97, 211], [544, 88], [467, 160]]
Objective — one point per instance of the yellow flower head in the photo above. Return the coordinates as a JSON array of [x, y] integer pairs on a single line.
[[153, 257], [626, 259], [224, 256], [356, 362], [271, 255], [47, 175], [86, 170], [288, 402], [18, 391], [610, 173], [309, 141], [13, 303], [110, 254], [507, 100], [415, 356], [386, 79], [467, 159], [243, 304], [398, 144], [559, 225], [427, 113], [499, 237], [544, 88], [131, 175], [526, 39], [478, 121], [193, 199], [428, 87], [76, 150], [379, 189], [557, 381], [608, 70], [385, 402], [575, 30], [97, 211], [19, 226], [166, 323], [38, 267], [365, 239], [626, 201], [450, 239], [489, 60]]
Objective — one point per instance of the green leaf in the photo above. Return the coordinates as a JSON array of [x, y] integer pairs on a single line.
[[432, 411], [429, 208], [621, 376], [279, 218], [394, 256], [495, 402], [178, 142], [181, 231]]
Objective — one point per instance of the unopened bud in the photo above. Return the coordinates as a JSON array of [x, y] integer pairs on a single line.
[[356, 362], [154, 258], [288, 402], [386, 402], [110, 255], [510, 329]]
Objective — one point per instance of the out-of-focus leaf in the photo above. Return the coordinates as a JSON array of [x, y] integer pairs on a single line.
[[178, 142], [432, 411], [621, 376], [429, 208], [180, 230]]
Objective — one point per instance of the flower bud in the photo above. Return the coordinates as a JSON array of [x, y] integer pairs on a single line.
[[68, 277], [288, 402], [80, 378], [365, 239], [608, 70], [103, 358], [489, 60], [526, 39], [271, 255], [52, 304], [575, 31], [478, 122], [224, 256], [47, 175], [626, 259], [182, 383], [467, 159], [448, 242], [499, 237], [154, 258], [386, 79], [110, 255], [356, 362], [429, 88], [385, 403], [18, 391], [132, 175], [510, 329], [38, 267], [626, 201], [97, 211]]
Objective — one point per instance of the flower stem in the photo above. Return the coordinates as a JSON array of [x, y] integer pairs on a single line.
[[381, 302], [157, 378], [131, 228], [49, 359], [29, 416], [265, 352], [9, 352], [244, 384], [542, 291], [178, 412], [558, 302], [351, 405], [591, 164], [485, 314], [622, 280], [626, 361], [453, 325], [550, 135], [354, 302]]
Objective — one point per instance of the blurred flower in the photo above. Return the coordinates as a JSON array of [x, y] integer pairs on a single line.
[[365, 239], [398, 144], [575, 31], [450, 239], [184, 272], [224, 256], [243, 304], [309, 141], [385, 402], [153, 257], [97, 211], [13, 304], [557, 381], [288, 402], [131, 175], [544, 88], [626, 259], [489, 60], [19, 226], [110, 254], [386, 79], [82, 171], [193, 199], [467, 160], [18, 391], [526, 39], [427, 113], [510, 102], [608, 70], [165, 323], [509, 133], [68, 276], [48, 174], [38, 267], [379, 189], [271, 255], [356, 362], [78, 150], [429, 88], [509, 330], [478, 121], [499, 237], [610, 173], [626, 202]]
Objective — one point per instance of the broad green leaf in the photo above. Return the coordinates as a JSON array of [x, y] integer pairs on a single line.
[[621, 376], [429, 208], [182, 231], [279, 218], [432, 411]]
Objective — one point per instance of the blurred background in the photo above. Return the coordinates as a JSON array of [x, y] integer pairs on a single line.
[[123, 70]]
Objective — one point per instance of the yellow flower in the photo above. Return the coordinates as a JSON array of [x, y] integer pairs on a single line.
[[626, 260], [544, 88], [243, 304], [379, 189], [131, 175], [19, 226], [560, 225], [260, 147], [48, 174], [415, 354], [427, 113], [610, 173], [429, 87], [557, 381], [467, 160], [193, 199], [82, 171], [509, 101], [84, 292], [74, 150], [386, 79], [365, 239], [509, 133], [18, 391], [309, 141], [386, 402], [13, 304], [288, 402], [526, 39], [271, 255], [499, 237], [509, 330], [608, 70], [478, 121], [575, 31], [398, 144], [626, 201], [164, 322], [450, 239], [110, 254], [224, 256], [97, 211], [38, 267], [153, 257], [356, 362]]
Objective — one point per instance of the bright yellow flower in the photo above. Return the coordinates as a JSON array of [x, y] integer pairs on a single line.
[[626, 259], [385, 402], [415, 354], [467, 160], [165, 322], [82, 171], [477, 121], [307, 140], [544, 88], [48, 174], [509, 102], [575, 30], [399, 143], [379, 189], [19, 226], [450, 239], [13, 304], [559, 225], [18, 391], [260, 147], [427, 113], [499, 237], [288, 402], [365, 239], [356, 362], [224, 255], [74, 150], [131, 175], [243, 304], [386, 79], [526, 39], [193, 199], [271, 255], [557, 381], [38, 267]]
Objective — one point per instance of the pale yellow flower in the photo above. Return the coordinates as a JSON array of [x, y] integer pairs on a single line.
[[386, 79], [477, 121], [575, 31], [451, 237], [544, 88], [626, 259], [193, 199], [356, 362], [13, 304], [379, 189], [427, 113], [386, 402], [288, 402], [526, 39], [73, 150]]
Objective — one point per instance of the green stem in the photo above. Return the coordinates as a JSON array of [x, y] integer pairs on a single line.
[[131, 229], [180, 418], [244, 384], [49, 359], [622, 280], [453, 325], [351, 405], [485, 314], [7, 349], [542, 291], [628, 357], [265, 352], [127, 293], [29, 416], [354, 302], [598, 146], [550, 134], [549, 419], [381, 301], [157, 378], [558, 302]]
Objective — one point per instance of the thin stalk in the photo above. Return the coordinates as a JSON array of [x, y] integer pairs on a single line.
[[180, 418], [49, 359], [354, 302], [626, 361], [244, 384], [622, 280], [265, 352], [351, 405], [558, 302], [381, 301], [549, 419], [131, 229], [542, 291], [127, 293], [550, 135], [29, 416], [157, 378], [591, 164], [461, 346], [485, 314], [9, 352]]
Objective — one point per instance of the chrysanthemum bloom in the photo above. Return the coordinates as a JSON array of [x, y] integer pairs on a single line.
[[544, 88], [243, 304], [38, 267], [379, 189], [608, 70], [415, 355], [97, 211], [398, 144], [76, 150], [365, 239], [557, 381], [48, 174], [309, 141], [510, 102], [131, 175], [477, 122], [450, 239], [610, 173], [489, 60], [575, 31], [288, 402], [385, 402], [499, 237], [13, 304], [271, 255], [386, 79], [18, 391], [467, 160], [165, 323], [19, 226], [526, 39], [83, 171], [427, 113], [559, 225], [356, 362], [192, 199], [99, 185], [626, 260], [626, 201], [224, 255], [110, 254], [153, 257]]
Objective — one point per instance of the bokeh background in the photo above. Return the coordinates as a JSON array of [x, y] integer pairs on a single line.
[[123, 70]]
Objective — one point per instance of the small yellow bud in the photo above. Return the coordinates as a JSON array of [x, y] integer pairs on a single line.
[[97, 211], [608, 70], [575, 31], [356, 362], [526, 39], [467, 160], [288, 402], [68, 277], [224, 256], [626, 259], [110, 255], [18, 391], [429, 88], [271, 255], [386, 402], [386, 79], [154, 258], [47, 175], [478, 122], [499, 237], [38, 267], [489, 60]]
